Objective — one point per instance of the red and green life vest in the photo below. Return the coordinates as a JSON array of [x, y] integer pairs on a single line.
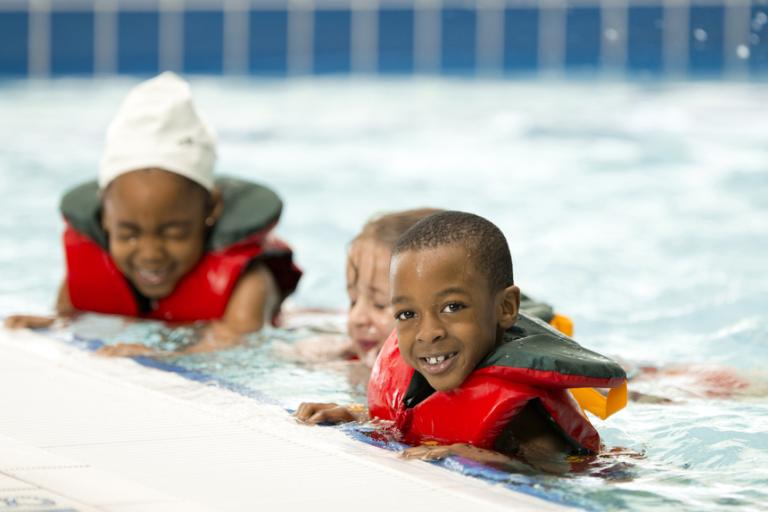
[[534, 362], [241, 238]]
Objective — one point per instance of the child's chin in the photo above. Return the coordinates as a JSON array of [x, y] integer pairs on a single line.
[[156, 292], [369, 358], [441, 383]]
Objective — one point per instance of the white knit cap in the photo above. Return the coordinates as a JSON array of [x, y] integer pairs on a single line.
[[157, 127]]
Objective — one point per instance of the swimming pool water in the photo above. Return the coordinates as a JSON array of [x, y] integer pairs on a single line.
[[640, 210]]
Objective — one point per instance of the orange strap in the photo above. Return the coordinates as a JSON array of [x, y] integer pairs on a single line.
[[563, 324], [591, 399], [599, 404]]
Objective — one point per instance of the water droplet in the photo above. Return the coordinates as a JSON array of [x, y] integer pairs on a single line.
[[700, 35], [611, 34], [759, 21], [742, 51], [754, 39]]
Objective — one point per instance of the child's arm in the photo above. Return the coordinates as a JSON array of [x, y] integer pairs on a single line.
[[254, 301], [314, 413], [64, 309], [467, 451]]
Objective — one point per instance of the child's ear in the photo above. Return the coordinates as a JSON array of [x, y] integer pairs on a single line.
[[509, 305], [216, 206]]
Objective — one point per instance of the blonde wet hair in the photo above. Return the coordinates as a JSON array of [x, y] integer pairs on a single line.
[[386, 228]]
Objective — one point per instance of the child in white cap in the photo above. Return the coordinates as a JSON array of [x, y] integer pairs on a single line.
[[158, 237]]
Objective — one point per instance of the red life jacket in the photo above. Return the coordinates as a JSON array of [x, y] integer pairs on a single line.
[[96, 284], [534, 362]]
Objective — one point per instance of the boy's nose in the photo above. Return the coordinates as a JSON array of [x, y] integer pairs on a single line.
[[430, 330]]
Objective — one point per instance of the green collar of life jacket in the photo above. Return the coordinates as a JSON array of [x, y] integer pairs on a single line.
[[532, 344]]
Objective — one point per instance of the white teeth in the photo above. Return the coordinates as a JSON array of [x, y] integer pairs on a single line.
[[437, 359]]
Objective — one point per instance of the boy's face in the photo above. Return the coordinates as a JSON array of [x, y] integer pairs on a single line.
[[156, 226], [370, 316], [447, 317]]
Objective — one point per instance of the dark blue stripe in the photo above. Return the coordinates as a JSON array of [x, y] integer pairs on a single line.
[[72, 46], [758, 39], [521, 39], [332, 41], [92, 345], [645, 39], [396, 40], [459, 35], [268, 42], [14, 42], [138, 42], [203, 41], [705, 40], [582, 38]]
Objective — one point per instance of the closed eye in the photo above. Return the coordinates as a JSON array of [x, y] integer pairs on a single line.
[[176, 233], [126, 235]]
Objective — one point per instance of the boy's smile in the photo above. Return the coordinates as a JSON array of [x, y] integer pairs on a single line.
[[448, 319], [156, 226]]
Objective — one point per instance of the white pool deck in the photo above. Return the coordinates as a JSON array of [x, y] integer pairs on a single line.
[[79, 432]]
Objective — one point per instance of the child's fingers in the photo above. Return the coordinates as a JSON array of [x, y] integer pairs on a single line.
[[303, 412], [125, 350], [426, 452], [319, 417], [308, 412], [28, 321]]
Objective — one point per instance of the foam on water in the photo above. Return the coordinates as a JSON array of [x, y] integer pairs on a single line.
[[639, 210]]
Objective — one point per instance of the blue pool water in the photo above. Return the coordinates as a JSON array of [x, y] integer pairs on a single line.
[[639, 210]]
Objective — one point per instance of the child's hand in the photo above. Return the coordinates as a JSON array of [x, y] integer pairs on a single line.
[[28, 321], [126, 350], [312, 413], [215, 336], [437, 452], [467, 451]]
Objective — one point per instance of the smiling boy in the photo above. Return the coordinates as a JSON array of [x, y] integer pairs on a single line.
[[467, 373]]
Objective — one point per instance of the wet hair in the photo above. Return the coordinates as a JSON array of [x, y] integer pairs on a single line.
[[388, 227], [483, 241]]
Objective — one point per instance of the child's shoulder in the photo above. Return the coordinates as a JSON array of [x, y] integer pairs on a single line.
[[248, 208], [80, 206]]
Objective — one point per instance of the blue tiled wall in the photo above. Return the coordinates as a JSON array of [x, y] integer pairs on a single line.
[[583, 35], [705, 43], [203, 41], [332, 41], [72, 42], [268, 42], [136, 36], [758, 38], [521, 40], [138, 42], [14, 36], [395, 41], [459, 33], [644, 39]]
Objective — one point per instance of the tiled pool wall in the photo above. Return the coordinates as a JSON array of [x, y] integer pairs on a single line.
[[679, 38]]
